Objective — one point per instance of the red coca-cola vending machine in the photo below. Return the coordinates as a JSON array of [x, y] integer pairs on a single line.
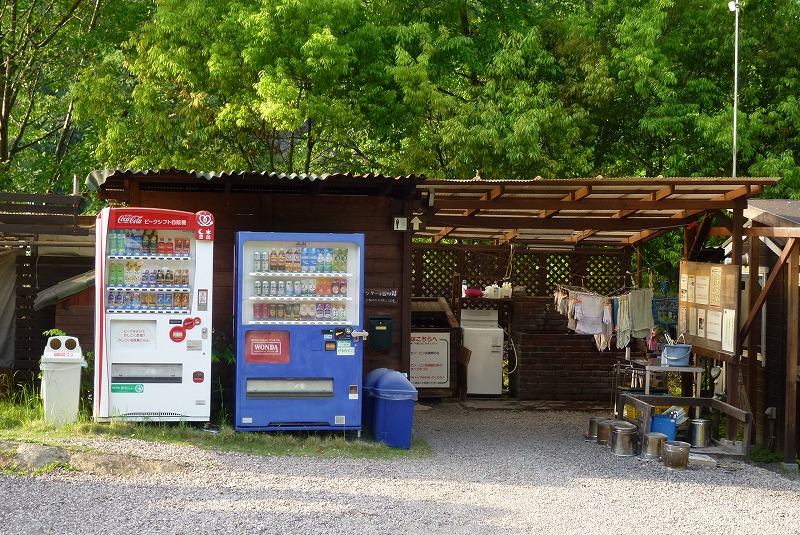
[[153, 284]]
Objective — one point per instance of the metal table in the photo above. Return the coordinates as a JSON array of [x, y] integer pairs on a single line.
[[696, 370]]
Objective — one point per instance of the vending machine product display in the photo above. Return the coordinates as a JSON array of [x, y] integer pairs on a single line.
[[153, 287], [299, 334]]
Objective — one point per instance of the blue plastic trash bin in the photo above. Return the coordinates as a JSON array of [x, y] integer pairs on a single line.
[[662, 423], [367, 401], [395, 397]]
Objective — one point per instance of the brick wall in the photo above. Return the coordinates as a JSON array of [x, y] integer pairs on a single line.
[[554, 362]]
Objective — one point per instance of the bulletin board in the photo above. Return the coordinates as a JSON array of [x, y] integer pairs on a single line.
[[707, 302]]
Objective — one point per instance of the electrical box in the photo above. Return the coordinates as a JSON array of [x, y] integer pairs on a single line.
[[380, 333]]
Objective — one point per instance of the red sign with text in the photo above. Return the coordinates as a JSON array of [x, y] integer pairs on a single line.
[[270, 347]]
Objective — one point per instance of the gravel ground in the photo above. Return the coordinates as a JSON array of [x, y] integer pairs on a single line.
[[491, 472]]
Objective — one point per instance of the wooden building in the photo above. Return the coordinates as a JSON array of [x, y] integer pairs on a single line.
[[270, 202], [772, 326], [43, 239]]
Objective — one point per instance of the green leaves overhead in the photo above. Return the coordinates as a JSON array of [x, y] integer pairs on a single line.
[[446, 88]]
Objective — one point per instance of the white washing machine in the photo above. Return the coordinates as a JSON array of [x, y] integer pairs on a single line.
[[483, 336]]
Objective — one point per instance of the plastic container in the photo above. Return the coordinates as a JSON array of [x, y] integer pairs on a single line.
[[367, 401], [661, 423], [395, 398], [676, 354], [61, 366]]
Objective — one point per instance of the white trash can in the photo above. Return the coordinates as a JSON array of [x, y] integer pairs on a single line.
[[61, 366]]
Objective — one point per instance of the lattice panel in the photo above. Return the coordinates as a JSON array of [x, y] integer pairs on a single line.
[[558, 271], [483, 268], [525, 271], [438, 267], [539, 272], [604, 274]]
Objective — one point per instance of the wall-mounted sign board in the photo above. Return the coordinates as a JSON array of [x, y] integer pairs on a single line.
[[707, 300], [380, 296]]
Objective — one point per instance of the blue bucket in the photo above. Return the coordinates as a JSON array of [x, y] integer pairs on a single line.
[[661, 423], [676, 355]]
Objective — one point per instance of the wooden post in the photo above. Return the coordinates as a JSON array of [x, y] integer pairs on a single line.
[[405, 298], [733, 370], [754, 338], [793, 323]]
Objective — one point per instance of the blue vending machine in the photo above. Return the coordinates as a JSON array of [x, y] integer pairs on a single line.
[[299, 331]]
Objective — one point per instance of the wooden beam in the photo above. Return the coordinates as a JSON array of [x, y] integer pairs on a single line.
[[575, 238], [34, 199], [572, 196], [753, 340], [28, 230], [469, 206], [793, 324], [723, 219], [685, 214], [699, 238], [663, 193], [507, 237], [488, 197], [773, 232], [504, 224], [443, 234], [736, 394], [755, 308]]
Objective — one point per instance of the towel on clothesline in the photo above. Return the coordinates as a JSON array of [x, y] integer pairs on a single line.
[[623, 321], [641, 308]]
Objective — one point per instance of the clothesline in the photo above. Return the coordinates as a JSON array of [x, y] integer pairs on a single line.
[[625, 316]]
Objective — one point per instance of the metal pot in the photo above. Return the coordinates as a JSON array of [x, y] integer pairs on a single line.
[[676, 454], [604, 430], [699, 433], [652, 446], [593, 427], [624, 439]]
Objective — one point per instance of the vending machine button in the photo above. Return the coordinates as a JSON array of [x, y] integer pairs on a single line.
[[177, 334]]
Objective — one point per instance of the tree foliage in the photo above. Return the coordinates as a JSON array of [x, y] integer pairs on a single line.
[[46, 46], [446, 88]]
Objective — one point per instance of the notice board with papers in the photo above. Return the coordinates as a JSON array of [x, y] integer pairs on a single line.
[[707, 301]]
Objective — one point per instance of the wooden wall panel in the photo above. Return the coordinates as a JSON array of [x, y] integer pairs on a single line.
[[369, 215]]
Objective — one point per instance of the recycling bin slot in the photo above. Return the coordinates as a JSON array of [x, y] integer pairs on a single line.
[[61, 365]]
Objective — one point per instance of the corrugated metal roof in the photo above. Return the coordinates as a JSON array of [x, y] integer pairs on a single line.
[[63, 289], [597, 211], [97, 179], [774, 212], [575, 212]]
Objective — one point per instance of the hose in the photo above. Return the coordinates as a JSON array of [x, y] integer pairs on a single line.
[[514, 349]]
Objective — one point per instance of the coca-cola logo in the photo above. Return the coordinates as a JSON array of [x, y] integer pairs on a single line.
[[205, 219], [130, 219]]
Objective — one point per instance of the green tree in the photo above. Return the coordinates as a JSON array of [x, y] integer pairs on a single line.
[[45, 49], [277, 85]]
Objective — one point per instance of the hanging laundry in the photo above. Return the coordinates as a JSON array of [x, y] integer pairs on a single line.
[[623, 322], [641, 310], [652, 340], [589, 314], [608, 327], [572, 301]]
